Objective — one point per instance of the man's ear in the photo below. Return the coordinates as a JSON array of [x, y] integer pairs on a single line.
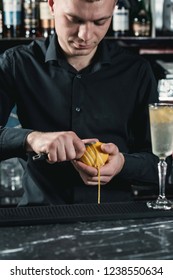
[[115, 2]]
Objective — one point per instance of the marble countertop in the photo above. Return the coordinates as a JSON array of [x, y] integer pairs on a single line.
[[99, 240]]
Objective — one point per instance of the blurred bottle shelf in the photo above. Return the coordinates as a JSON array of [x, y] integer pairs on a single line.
[[151, 43], [145, 45]]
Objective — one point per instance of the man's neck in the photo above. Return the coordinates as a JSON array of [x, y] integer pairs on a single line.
[[80, 62]]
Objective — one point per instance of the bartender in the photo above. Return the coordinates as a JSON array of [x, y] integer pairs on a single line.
[[71, 88]]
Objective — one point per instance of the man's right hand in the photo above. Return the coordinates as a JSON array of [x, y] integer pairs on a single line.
[[59, 146]]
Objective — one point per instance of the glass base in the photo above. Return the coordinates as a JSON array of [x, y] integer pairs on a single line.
[[162, 203]]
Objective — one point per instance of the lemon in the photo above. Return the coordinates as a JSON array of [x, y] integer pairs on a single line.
[[94, 156]]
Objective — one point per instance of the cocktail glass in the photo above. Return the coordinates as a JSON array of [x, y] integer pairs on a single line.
[[161, 126]]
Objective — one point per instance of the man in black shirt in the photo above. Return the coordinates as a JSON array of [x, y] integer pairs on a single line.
[[73, 88]]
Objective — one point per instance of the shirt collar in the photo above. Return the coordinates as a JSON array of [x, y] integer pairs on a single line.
[[55, 53]]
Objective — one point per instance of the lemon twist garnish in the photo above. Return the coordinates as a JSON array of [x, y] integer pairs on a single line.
[[94, 157]]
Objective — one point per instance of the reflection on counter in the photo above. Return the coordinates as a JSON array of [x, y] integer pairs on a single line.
[[121, 239], [11, 173]]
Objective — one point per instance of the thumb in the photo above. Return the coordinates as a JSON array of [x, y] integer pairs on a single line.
[[109, 148]]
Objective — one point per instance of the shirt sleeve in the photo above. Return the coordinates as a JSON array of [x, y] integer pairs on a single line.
[[140, 163], [12, 142], [140, 168]]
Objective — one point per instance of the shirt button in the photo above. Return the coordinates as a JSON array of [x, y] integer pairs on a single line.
[[78, 109], [78, 76]]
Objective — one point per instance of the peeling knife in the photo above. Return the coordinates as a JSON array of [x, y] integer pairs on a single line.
[[44, 156]]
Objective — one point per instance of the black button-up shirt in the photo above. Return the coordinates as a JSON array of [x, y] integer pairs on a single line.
[[107, 100]]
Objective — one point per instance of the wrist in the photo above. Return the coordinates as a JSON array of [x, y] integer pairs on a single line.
[[29, 140]]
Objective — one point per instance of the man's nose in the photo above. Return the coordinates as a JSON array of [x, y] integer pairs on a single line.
[[85, 31]]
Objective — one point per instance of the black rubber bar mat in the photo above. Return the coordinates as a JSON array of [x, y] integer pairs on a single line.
[[78, 212]]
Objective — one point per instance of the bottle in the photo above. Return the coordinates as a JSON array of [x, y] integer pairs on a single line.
[[12, 11], [158, 17], [47, 25], [168, 17], [30, 18], [121, 17], [149, 17], [141, 23], [1, 19]]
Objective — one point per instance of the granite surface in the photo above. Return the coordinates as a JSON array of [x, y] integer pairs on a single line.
[[106, 240]]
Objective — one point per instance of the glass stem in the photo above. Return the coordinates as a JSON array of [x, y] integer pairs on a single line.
[[162, 168]]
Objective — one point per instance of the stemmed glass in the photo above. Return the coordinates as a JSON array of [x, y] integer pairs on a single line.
[[161, 126]]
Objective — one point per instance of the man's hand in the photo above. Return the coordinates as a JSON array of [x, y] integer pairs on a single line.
[[112, 167], [59, 146]]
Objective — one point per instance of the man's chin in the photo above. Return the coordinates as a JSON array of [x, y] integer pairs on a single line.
[[82, 52]]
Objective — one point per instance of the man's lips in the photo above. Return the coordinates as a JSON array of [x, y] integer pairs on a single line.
[[81, 46]]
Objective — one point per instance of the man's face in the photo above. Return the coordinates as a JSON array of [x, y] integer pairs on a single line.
[[81, 25]]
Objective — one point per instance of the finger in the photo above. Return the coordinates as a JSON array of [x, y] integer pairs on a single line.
[[79, 148], [90, 140], [91, 183], [62, 154], [109, 148], [94, 180], [89, 170]]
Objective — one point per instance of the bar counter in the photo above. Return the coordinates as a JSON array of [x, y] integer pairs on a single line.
[[109, 239]]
